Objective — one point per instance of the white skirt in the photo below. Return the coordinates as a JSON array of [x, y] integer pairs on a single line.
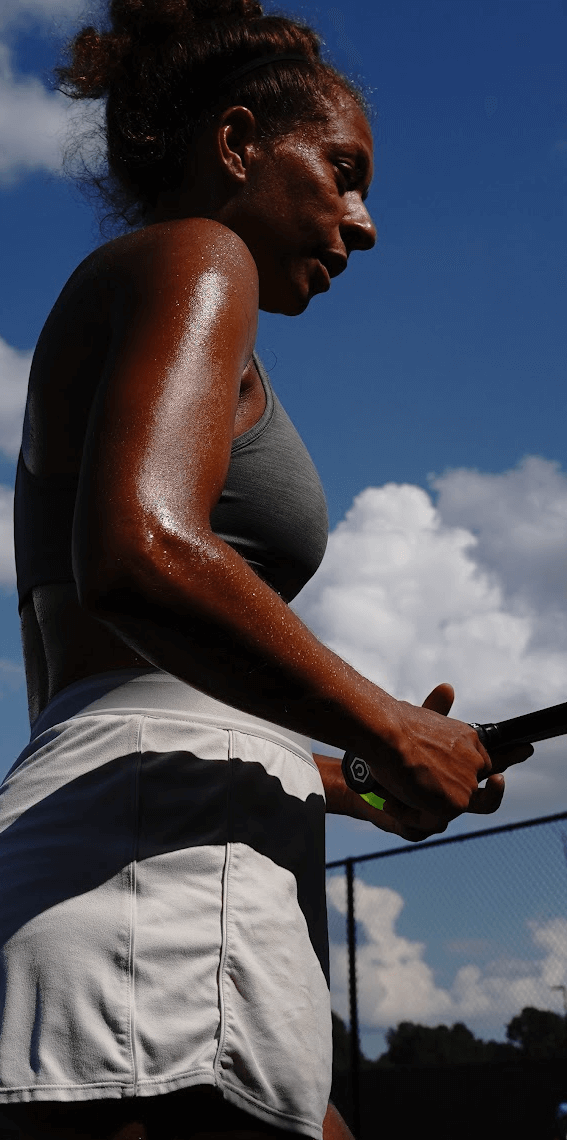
[[162, 905]]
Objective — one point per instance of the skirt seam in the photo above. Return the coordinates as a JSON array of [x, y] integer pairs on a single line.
[[224, 920], [287, 745], [133, 908], [202, 1073], [266, 1108]]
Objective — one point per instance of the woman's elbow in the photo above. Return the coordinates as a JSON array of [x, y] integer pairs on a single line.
[[109, 573], [137, 572]]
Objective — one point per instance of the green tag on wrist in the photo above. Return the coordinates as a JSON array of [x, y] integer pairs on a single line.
[[374, 800]]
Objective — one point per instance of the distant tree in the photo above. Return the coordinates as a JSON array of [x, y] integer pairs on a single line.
[[534, 1034], [341, 1047], [411, 1044], [341, 1044], [540, 1034]]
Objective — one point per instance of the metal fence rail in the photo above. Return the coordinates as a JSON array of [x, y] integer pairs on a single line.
[[470, 930]]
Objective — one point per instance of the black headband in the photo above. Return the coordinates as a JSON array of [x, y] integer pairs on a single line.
[[263, 61]]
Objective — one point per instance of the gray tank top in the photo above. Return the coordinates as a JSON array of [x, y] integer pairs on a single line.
[[272, 509]]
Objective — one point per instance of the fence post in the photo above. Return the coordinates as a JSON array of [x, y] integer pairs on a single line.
[[353, 1001]]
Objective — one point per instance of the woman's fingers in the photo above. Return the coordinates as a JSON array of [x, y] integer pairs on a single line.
[[417, 826], [441, 699], [399, 819], [506, 757], [489, 798], [410, 824]]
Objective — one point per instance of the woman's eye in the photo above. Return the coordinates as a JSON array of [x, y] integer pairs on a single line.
[[346, 173]]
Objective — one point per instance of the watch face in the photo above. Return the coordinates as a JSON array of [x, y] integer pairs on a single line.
[[357, 773]]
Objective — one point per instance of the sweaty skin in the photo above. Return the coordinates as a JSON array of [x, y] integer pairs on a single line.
[[141, 380]]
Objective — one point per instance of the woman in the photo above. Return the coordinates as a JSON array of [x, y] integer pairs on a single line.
[[162, 870]]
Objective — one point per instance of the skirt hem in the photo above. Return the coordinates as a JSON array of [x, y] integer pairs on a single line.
[[112, 1090]]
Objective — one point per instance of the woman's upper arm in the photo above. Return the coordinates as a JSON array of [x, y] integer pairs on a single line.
[[183, 310]]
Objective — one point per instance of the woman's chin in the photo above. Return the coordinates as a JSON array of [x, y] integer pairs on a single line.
[[290, 303], [287, 310]]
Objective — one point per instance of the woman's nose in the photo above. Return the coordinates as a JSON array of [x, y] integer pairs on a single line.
[[358, 229]]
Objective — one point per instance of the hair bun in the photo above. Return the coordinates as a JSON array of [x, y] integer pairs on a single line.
[[240, 9], [154, 20], [149, 20]]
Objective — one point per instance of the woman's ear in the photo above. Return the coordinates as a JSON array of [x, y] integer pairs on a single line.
[[237, 141]]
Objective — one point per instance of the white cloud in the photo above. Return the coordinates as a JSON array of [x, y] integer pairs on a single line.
[[470, 591], [14, 372], [33, 122], [7, 564], [520, 521], [411, 597], [395, 982]]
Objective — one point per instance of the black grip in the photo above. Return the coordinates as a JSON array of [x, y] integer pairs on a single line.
[[540, 725], [486, 735]]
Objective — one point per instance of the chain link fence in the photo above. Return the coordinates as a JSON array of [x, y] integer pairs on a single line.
[[449, 985]]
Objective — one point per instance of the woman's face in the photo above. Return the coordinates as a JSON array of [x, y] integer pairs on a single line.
[[302, 212]]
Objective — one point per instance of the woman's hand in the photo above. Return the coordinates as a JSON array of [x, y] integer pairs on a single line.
[[397, 817], [435, 764]]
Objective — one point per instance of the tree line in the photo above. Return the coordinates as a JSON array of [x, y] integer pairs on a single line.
[[533, 1034]]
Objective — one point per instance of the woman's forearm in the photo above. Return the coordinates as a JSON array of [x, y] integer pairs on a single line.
[[201, 613], [197, 610]]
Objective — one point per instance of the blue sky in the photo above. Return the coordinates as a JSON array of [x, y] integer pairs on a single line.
[[440, 355]]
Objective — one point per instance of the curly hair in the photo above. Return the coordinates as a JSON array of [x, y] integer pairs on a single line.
[[165, 66]]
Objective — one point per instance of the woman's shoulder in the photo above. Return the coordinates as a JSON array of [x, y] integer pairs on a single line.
[[166, 260], [136, 290], [191, 244]]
